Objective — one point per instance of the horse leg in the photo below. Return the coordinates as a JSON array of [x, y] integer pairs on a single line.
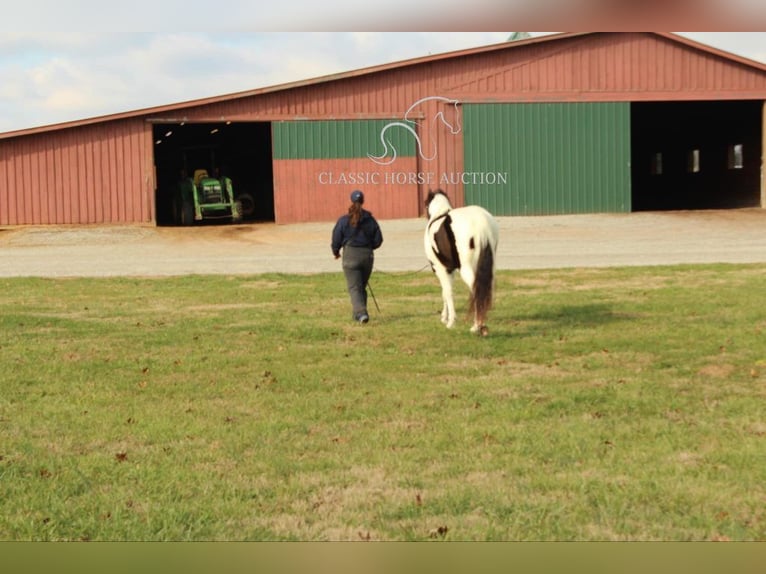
[[483, 287], [448, 307], [469, 278]]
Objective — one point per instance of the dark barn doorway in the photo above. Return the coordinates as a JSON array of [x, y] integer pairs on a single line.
[[240, 151], [695, 155]]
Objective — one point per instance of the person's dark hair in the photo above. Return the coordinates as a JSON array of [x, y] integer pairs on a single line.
[[355, 213]]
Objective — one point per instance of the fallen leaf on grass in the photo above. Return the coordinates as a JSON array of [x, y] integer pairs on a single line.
[[720, 538], [438, 532]]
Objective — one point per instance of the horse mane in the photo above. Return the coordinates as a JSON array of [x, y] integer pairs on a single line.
[[437, 195]]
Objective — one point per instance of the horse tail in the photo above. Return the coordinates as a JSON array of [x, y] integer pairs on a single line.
[[481, 294]]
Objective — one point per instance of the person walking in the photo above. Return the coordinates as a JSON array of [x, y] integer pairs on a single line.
[[357, 234]]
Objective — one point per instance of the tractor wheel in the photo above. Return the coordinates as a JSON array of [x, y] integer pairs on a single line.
[[236, 212], [246, 205], [187, 213]]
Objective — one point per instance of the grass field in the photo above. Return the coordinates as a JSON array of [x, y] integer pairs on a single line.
[[614, 404]]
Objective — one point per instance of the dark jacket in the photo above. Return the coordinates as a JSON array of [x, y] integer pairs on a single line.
[[366, 234]]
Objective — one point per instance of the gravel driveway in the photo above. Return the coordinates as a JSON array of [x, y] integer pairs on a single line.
[[730, 236]]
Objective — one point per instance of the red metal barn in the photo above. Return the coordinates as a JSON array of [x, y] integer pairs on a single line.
[[569, 123]]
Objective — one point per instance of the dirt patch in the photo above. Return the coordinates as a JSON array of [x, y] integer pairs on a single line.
[[221, 307], [75, 235], [717, 371]]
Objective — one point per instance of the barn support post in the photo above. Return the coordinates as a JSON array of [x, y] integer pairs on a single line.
[[763, 154]]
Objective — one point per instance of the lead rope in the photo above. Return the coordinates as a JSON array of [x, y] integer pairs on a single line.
[[373, 296]]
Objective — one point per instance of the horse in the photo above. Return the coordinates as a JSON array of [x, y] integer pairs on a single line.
[[462, 239]]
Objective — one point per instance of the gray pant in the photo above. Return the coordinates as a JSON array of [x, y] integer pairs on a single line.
[[357, 267]]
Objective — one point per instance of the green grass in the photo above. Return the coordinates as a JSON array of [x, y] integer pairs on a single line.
[[620, 404]]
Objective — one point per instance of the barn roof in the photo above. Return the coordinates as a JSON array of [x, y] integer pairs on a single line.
[[690, 44]]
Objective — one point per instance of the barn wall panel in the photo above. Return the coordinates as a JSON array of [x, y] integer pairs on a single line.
[[319, 189], [74, 176], [26, 185], [556, 157], [4, 187], [7, 182], [318, 163], [614, 67], [338, 139], [48, 203]]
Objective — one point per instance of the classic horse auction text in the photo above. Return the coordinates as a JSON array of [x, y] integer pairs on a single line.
[[412, 178]]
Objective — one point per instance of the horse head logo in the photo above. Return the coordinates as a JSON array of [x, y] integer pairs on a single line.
[[451, 121]]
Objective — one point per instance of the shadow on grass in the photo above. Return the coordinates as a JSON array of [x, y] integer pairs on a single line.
[[555, 318]]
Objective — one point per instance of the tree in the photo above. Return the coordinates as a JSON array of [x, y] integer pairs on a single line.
[[518, 36]]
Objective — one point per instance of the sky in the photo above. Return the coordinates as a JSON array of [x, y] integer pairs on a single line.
[[78, 63]]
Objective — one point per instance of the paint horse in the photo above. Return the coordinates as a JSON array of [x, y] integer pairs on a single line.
[[462, 239]]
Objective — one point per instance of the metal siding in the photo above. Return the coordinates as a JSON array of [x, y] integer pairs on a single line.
[[335, 139], [607, 66], [9, 192], [23, 183], [300, 195], [316, 165], [559, 158], [110, 174], [74, 176], [4, 186]]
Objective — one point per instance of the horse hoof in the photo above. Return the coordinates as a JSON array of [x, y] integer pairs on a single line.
[[484, 331]]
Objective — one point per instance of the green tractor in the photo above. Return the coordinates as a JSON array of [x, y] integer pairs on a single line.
[[203, 198]]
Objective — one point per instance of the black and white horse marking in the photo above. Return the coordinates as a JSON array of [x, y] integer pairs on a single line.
[[463, 239]]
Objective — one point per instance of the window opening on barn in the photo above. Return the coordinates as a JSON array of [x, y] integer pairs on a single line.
[[693, 161], [656, 164], [736, 156]]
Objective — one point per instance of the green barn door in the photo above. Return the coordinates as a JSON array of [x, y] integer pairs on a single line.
[[548, 158]]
